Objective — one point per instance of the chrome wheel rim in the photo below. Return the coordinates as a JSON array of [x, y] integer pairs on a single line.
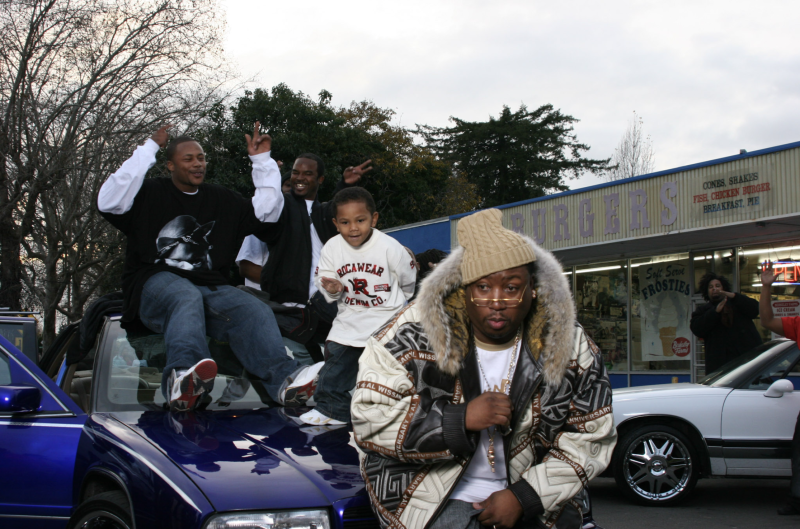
[[657, 466]]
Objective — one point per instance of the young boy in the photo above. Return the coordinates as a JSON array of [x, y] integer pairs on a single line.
[[371, 276]]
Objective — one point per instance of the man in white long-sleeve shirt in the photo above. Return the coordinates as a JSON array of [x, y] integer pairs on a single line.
[[181, 235], [254, 252]]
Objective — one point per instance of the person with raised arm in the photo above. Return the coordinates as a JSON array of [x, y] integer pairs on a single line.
[[725, 322], [790, 328], [295, 242], [181, 236]]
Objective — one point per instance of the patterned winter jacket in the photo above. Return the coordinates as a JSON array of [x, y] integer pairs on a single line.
[[418, 373]]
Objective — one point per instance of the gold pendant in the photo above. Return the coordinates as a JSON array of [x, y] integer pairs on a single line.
[[490, 453]]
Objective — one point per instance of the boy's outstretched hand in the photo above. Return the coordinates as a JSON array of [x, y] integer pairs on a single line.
[[352, 175], [161, 136], [258, 143], [332, 286]]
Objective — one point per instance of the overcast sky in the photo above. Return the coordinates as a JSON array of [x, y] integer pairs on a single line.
[[708, 78]]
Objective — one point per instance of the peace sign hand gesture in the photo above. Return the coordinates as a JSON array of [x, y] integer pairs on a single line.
[[258, 143], [352, 175]]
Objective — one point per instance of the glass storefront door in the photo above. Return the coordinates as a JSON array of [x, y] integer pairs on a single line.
[[601, 297]]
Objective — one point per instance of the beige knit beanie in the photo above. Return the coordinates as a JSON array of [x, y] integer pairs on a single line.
[[489, 247]]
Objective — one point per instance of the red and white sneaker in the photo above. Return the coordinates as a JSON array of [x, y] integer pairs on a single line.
[[298, 389], [186, 388]]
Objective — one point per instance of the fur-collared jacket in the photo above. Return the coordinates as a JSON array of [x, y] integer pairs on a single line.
[[419, 372]]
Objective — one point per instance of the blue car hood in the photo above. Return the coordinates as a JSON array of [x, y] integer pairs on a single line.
[[255, 459]]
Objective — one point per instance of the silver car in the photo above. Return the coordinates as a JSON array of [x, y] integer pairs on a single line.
[[738, 421]]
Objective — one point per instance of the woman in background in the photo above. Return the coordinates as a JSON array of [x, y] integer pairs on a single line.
[[725, 323]]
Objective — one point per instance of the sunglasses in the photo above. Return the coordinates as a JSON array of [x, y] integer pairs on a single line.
[[507, 302]]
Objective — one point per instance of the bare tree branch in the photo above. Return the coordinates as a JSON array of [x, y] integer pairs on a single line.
[[81, 83], [634, 155]]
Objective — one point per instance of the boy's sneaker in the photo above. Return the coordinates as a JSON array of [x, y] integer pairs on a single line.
[[298, 389], [315, 418], [186, 388]]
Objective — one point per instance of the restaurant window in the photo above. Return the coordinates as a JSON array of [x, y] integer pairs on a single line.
[[601, 297], [660, 313], [785, 290]]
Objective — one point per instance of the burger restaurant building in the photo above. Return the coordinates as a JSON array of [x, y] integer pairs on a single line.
[[634, 250]]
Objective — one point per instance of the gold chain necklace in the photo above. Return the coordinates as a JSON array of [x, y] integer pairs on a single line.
[[506, 390]]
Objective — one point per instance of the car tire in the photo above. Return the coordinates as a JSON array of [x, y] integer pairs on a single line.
[[108, 510], [655, 465]]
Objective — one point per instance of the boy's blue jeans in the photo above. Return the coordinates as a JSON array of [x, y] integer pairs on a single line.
[[336, 379], [185, 313]]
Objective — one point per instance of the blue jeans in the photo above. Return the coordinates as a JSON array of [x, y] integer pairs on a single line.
[[299, 352], [336, 379], [185, 313]]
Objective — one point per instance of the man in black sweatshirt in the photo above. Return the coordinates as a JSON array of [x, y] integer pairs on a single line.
[[181, 235]]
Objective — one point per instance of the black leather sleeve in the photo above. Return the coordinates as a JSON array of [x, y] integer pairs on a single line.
[[528, 498], [454, 430], [436, 425]]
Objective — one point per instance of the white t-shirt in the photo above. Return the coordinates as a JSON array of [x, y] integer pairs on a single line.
[[378, 278], [256, 251], [478, 482], [316, 250]]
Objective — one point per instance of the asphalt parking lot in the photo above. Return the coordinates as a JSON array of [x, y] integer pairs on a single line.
[[715, 504]]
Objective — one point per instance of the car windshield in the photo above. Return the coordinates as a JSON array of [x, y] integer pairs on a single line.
[[130, 368], [731, 372]]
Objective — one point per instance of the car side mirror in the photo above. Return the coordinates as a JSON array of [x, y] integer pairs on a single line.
[[778, 388], [19, 399]]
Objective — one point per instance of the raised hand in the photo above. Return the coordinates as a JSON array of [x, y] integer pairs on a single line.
[[161, 136], [258, 143], [768, 275], [488, 409], [352, 175], [332, 286], [501, 510]]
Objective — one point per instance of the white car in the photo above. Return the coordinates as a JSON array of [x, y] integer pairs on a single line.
[[737, 421]]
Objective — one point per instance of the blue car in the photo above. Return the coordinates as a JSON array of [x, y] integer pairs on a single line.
[[86, 442]]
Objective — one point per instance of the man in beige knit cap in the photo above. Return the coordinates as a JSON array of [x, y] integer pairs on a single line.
[[484, 403]]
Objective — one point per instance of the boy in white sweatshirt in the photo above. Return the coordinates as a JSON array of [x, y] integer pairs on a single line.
[[371, 276]]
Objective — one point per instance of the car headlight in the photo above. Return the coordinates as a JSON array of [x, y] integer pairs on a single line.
[[271, 520]]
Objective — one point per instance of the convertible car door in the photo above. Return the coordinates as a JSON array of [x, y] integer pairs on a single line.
[[757, 430], [37, 449]]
